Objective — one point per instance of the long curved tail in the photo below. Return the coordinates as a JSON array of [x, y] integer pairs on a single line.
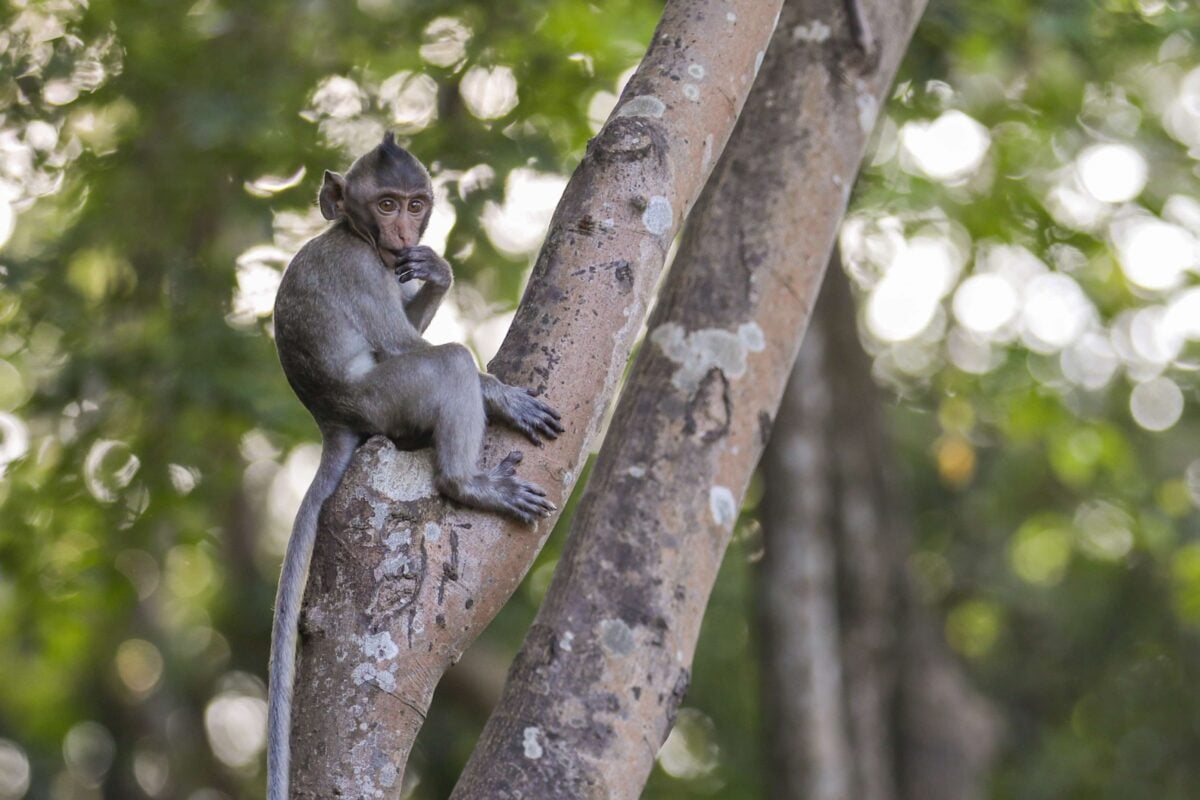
[[337, 447]]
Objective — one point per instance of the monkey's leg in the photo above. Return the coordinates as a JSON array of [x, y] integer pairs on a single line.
[[437, 388], [520, 410]]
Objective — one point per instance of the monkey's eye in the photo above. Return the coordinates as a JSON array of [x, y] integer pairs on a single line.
[[416, 206], [388, 206]]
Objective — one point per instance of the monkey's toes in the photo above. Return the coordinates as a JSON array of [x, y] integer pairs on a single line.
[[543, 405]]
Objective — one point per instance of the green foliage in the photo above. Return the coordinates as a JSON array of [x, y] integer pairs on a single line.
[[1062, 546]]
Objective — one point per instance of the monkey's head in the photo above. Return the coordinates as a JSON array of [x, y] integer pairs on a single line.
[[385, 196]]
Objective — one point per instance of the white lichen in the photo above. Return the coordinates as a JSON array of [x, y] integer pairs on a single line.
[[644, 105], [398, 539], [722, 505], [636, 471], [815, 31], [867, 107], [533, 748], [392, 567], [565, 641], [404, 475], [433, 531], [616, 637], [658, 215], [700, 351], [692, 92], [368, 673], [379, 646], [388, 775], [696, 71], [730, 16]]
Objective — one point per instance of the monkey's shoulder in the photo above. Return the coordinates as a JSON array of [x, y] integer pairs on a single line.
[[335, 251]]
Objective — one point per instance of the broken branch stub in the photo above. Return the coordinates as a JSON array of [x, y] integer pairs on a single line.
[[402, 581]]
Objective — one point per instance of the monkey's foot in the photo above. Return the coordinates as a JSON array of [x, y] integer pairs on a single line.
[[531, 416], [524, 500], [501, 490]]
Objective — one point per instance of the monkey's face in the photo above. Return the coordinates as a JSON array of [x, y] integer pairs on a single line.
[[386, 196], [398, 214]]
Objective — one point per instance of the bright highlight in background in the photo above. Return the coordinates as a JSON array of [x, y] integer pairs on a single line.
[[948, 149], [985, 303], [906, 299], [1156, 404], [1154, 254], [1112, 173]]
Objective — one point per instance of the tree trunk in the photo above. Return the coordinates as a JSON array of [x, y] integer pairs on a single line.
[[402, 582], [808, 746], [594, 690], [861, 698]]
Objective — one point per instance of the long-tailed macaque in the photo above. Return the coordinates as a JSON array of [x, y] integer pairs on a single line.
[[348, 326]]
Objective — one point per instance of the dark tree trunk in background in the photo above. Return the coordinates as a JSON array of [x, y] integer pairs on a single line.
[[862, 701]]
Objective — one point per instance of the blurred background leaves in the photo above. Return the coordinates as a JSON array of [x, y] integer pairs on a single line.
[[1026, 248]]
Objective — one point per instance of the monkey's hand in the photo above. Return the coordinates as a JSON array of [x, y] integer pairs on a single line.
[[423, 264]]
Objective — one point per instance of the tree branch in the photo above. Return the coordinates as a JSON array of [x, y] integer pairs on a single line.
[[596, 685], [402, 582]]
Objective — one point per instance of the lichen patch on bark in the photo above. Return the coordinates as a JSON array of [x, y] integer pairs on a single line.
[[699, 351]]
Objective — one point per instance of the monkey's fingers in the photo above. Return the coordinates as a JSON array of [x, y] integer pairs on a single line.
[[549, 429], [547, 422], [543, 405]]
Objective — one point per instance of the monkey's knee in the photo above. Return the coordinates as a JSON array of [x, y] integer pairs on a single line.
[[457, 359], [459, 370]]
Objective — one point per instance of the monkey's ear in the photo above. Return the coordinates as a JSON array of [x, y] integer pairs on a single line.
[[332, 196], [389, 139]]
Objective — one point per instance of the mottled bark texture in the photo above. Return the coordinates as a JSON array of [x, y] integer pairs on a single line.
[[595, 687], [401, 581], [861, 700]]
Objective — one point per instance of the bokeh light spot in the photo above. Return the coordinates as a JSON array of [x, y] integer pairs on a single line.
[[139, 665], [691, 750], [1156, 404], [1112, 173], [14, 771]]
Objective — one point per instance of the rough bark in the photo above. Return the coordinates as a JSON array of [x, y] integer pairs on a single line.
[[861, 698], [595, 687], [402, 582]]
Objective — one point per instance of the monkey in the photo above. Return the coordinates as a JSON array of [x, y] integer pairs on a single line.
[[348, 324]]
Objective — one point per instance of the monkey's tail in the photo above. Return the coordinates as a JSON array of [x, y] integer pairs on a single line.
[[337, 447]]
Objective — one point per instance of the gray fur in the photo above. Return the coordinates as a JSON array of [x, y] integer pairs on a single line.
[[348, 329]]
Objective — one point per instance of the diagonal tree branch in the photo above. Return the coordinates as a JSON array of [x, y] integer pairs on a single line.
[[401, 582], [595, 687]]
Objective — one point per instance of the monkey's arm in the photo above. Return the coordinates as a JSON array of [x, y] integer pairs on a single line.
[[422, 263], [518, 409]]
